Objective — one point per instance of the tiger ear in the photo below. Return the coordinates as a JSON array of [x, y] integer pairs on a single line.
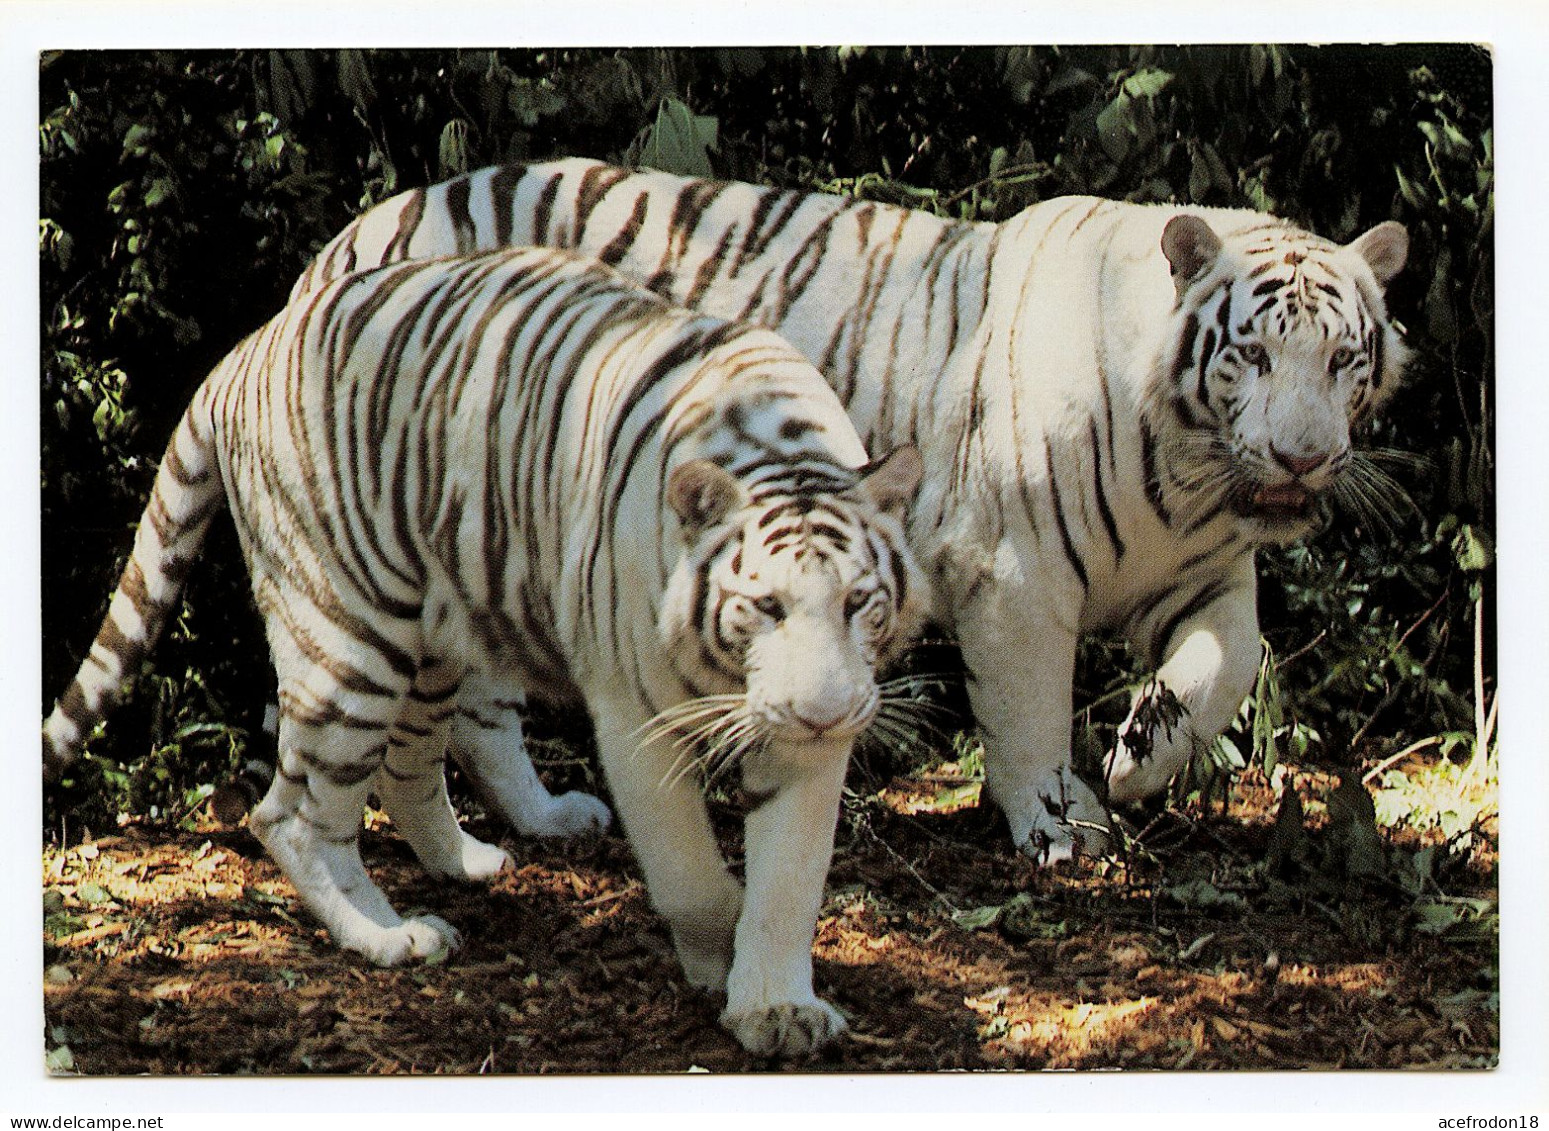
[[1385, 248], [702, 493], [1191, 247], [892, 481]]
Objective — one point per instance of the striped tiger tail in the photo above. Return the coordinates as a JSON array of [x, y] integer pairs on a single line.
[[186, 494]]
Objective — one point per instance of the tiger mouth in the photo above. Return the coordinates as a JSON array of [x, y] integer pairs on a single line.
[[1282, 501]]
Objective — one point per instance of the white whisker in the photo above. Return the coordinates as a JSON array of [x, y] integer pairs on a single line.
[[679, 714], [713, 734]]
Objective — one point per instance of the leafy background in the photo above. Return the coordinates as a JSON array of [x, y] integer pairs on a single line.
[[182, 192]]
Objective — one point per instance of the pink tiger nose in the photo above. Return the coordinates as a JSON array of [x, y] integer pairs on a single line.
[[819, 727], [1298, 465]]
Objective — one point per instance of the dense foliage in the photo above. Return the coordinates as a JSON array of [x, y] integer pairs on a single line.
[[183, 192]]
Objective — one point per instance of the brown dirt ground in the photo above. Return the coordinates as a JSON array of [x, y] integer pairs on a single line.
[[175, 952]]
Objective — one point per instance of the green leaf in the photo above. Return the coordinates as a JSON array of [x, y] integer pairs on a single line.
[[1147, 83], [1411, 192], [1199, 178], [93, 894], [1203, 894], [59, 1060], [1271, 757], [1113, 129], [1020, 919], [355, 78], [1220, 175], [1068, 78], [1471, 549], [1228, 754], [976, 918], [1457, 144], [1448, 915], [531, 101], [1440, 312], [453, 148], [679, 141], [160, 189], [136, 137], [1258, 64]]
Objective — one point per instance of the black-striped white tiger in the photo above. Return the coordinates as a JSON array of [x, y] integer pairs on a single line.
[[1115, 405], [518, 469]]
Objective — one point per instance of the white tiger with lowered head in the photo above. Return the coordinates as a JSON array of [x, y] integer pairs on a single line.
[[1115, 405], [517, 469]]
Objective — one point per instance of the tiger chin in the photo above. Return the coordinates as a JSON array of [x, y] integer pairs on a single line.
[[516, 472]]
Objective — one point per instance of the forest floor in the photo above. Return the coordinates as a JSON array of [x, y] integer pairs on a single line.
[[1213, 941]]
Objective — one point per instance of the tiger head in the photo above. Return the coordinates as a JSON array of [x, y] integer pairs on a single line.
[[1282, 348], [792, 591]]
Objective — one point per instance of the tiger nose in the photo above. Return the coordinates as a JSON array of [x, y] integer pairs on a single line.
[[820, 726], [1298, 465]]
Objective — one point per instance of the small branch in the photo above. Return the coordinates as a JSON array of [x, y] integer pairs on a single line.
[[910, 868], [1425, 616], [1393, 692], [1481, 714], [1280, 665], [1027, 170], [1412, 748], [609, 897]]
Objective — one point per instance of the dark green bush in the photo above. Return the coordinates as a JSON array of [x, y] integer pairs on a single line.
[[183, 192]]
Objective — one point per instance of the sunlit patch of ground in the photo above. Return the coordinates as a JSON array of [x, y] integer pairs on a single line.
[[944, 788]]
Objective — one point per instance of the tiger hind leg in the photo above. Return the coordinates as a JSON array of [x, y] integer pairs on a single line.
[[310, 822], [487, 742], [412, 781]]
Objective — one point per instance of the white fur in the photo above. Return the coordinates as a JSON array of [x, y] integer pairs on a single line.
[[999, 349]]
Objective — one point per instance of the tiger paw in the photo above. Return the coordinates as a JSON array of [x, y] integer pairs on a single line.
[[481, 861], [786, 1029], [1060, 819], [427, 937], [460, 856], [572, 814], [1133, 778]]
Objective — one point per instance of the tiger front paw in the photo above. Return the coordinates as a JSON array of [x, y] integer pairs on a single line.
[[1059, 818], [422, 937], [786, 1029]]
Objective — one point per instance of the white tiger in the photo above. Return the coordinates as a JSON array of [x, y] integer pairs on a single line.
[[1115, 405], [517, 469]]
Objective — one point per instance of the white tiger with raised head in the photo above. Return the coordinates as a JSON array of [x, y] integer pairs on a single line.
[[516, 469], [1115, 405]]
